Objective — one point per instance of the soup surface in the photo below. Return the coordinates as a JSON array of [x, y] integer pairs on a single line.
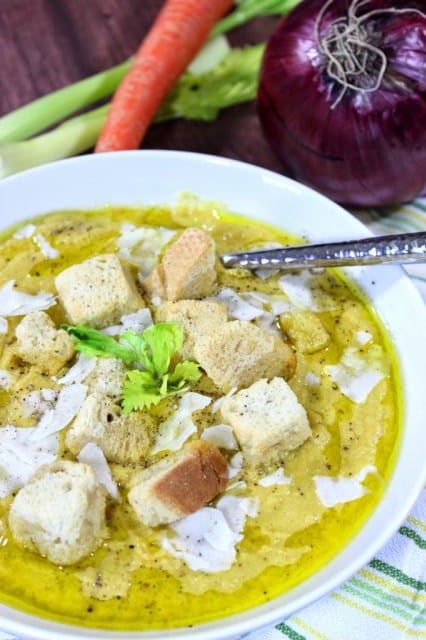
[[297, 506]]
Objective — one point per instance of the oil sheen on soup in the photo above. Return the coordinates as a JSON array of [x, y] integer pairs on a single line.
[[178, 441]]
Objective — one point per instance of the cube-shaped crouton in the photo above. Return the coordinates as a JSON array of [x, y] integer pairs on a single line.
[[124, 439], [39, 342], [187, 270], [98, 291], [107, 377], [267, 420], [196, 318], [179, 484], [60, 512], [238, 353], [305, 330]]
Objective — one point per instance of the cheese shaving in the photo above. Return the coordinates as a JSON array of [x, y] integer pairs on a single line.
[[237, 306], [4, 325], [25, 232], [137, 321], [303, 291], [21, 456], [5, 379], [79, 371], [141, 246], [45, 247], [206, 539], [277, 477], [65, 409], [19, 303], [174, 431], [220, 435], [357, 373], [333, 491], [92, 455]]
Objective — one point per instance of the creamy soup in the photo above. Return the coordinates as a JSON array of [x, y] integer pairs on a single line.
[[296, 507]]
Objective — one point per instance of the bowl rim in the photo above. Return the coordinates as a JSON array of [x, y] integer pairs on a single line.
[[392, 502]]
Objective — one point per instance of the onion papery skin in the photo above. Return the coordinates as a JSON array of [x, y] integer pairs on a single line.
[[370, 149]]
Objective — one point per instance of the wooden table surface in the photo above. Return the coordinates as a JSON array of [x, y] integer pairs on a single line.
[[47, 44]]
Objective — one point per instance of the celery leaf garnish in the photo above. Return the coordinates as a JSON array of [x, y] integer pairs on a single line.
[[150, 353]]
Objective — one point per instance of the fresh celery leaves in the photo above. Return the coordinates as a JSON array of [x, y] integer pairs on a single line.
[[150, 353]]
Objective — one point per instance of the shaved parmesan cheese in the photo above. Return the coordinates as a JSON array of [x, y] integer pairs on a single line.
[[303, 291], [141, 246], [206, 539], [36, 403], [25, 232], [362, 337], [311, 379], [66, 408], [137, 321], [268, 322], [221, 435], [235, 465], [264, 274], [219, 402], [47, 250], [279, 304], [93, 456], [19, 303], [3, 325], [277, 477], [332, 491], [357, 373], [79, 371], [21, 456], [178, 427], [5, 379], [238, 307]]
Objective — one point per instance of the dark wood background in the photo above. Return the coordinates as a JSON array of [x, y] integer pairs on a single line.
[[47, 44]]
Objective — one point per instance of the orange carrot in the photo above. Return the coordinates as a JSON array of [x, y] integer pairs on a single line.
[[179, 32]]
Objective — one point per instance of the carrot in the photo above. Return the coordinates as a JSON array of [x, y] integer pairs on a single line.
[[178, 33]]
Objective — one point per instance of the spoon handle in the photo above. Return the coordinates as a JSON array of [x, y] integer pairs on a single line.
[[396, 248]]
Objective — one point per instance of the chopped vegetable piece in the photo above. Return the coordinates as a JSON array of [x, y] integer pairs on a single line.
[[179, 32]]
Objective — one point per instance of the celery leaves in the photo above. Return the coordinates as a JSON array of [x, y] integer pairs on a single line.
[[150, 353]]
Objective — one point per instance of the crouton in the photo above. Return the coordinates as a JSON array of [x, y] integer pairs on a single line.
[[196, 319], [39, 342], [179, 484], [187, 269], [98, 291], [267, 420], [124, 439], [60, 512], [305, 330], [238, 353], [107, 377]]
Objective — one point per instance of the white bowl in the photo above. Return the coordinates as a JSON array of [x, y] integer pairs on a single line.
[[147, 177]]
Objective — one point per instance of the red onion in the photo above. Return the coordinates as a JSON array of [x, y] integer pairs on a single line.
[[342, 98]]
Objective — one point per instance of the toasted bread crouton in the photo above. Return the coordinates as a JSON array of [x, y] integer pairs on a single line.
[[196, 318], [267, 420], [305, 330], [179, 484], [107, 377], [60, 512], [187, 270], [238, 353], [124, 439], [39, 342], [98, 291]]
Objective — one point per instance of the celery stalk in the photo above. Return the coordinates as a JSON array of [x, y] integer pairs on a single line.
[[195, 97], [43, 112]]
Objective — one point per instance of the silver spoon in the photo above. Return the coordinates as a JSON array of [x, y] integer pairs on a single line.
[[396, 248]]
